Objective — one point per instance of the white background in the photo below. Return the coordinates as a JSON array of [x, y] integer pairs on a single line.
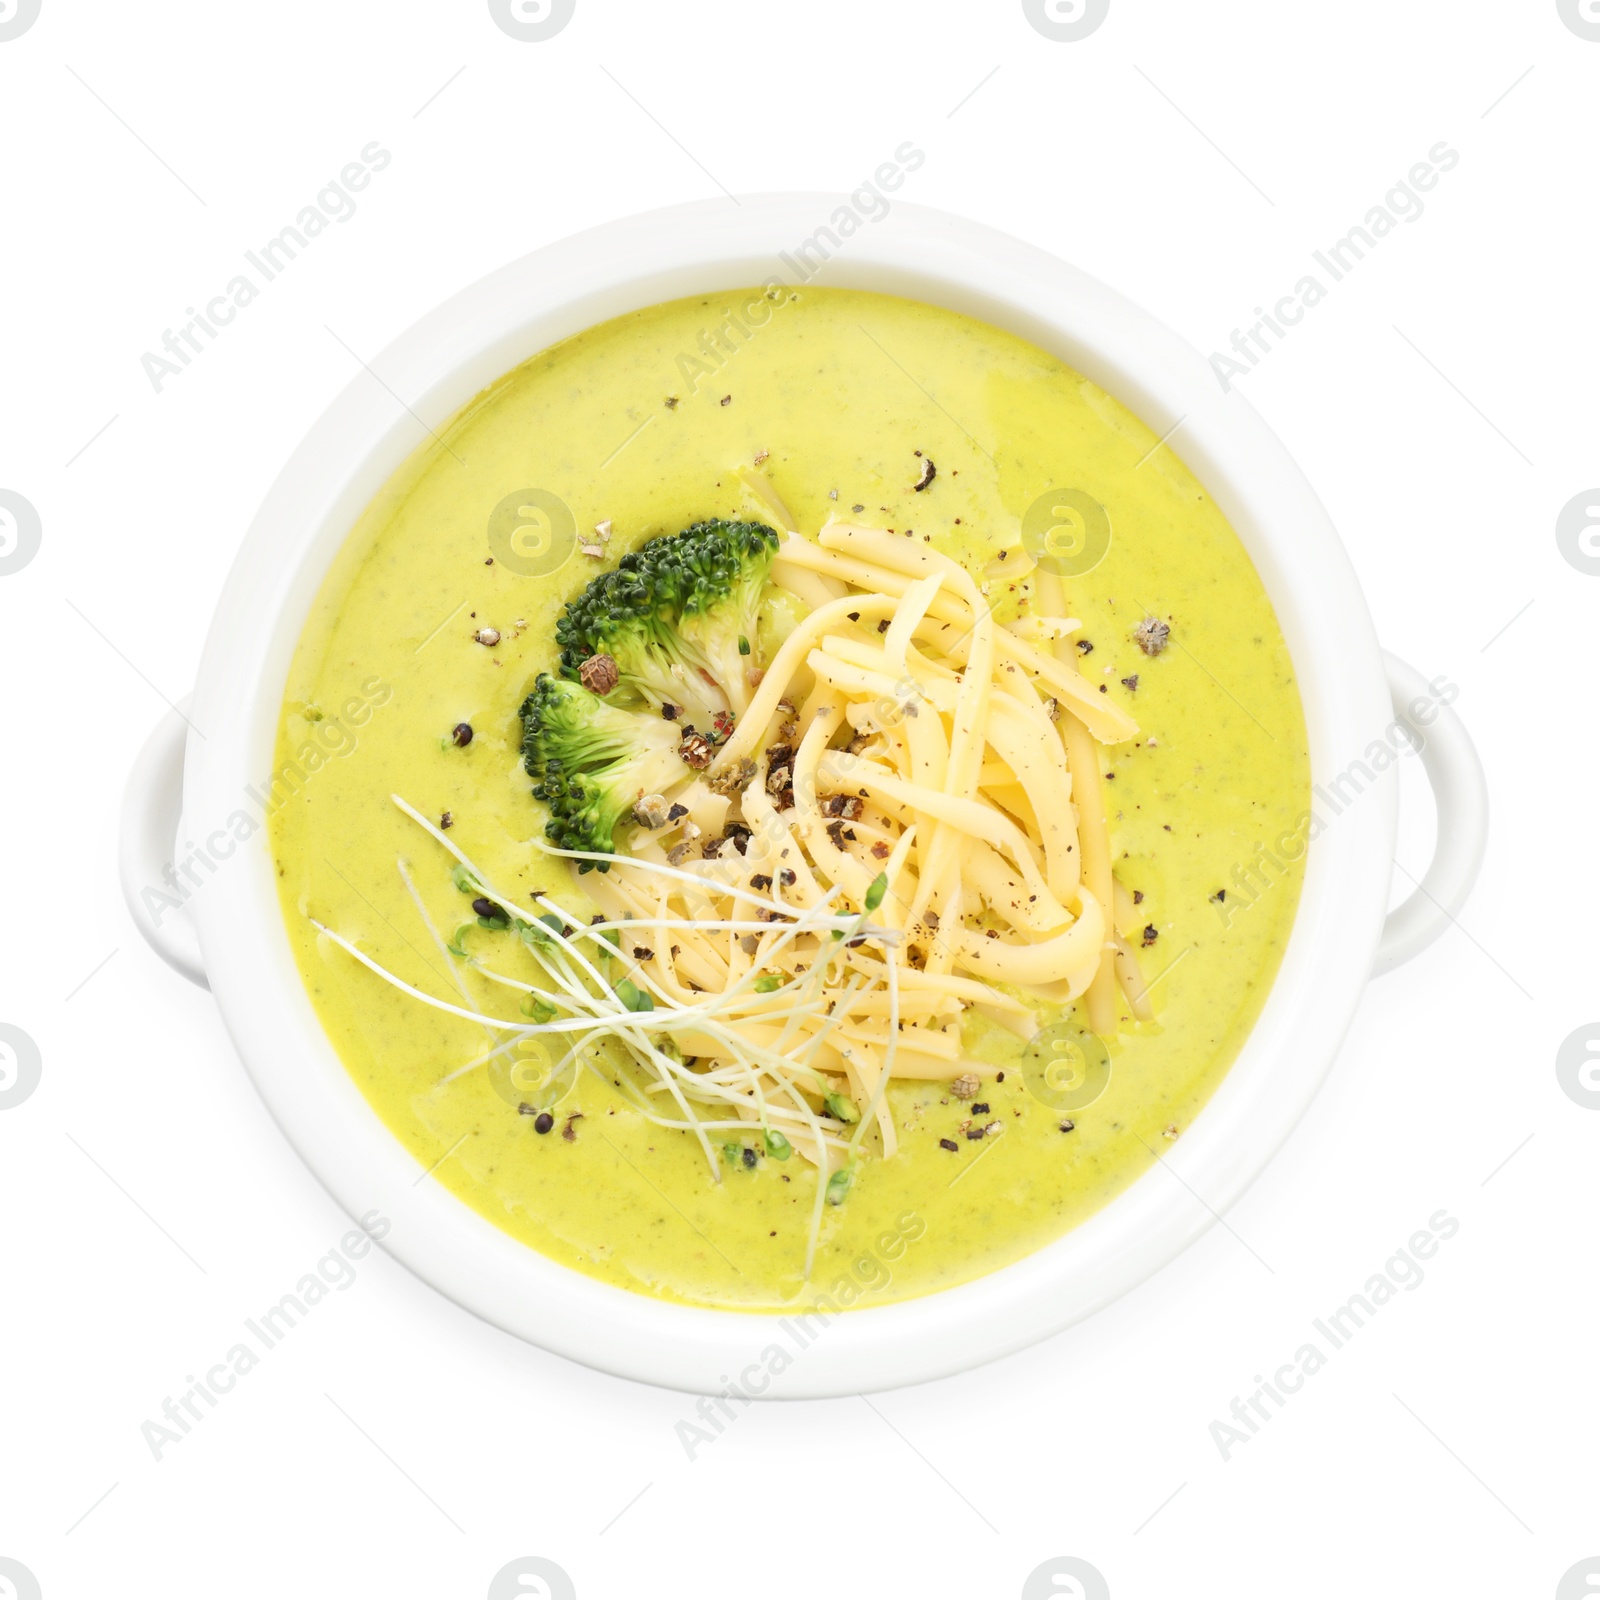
[[1441, 400]]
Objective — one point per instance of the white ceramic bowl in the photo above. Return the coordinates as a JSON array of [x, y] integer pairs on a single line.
[[236, 940]]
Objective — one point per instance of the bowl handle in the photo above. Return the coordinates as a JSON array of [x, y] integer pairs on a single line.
[[1461, 800], [152, 810]]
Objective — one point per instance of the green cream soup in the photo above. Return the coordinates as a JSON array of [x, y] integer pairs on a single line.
[[644, 423]]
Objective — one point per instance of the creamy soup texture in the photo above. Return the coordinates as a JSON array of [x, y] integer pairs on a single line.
[[644, 423]]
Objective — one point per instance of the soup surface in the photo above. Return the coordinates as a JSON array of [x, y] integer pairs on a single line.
[[832, 401]]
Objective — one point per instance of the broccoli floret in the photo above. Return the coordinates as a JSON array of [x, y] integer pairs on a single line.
[[678, 616], [591, 762]]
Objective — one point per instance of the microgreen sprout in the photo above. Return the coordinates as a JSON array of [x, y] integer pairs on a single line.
[[841, 1107], [727, 1061], [633, 997], [550, 923], [491, 915]]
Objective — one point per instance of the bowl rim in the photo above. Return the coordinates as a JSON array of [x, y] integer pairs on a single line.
[[421, 379]]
